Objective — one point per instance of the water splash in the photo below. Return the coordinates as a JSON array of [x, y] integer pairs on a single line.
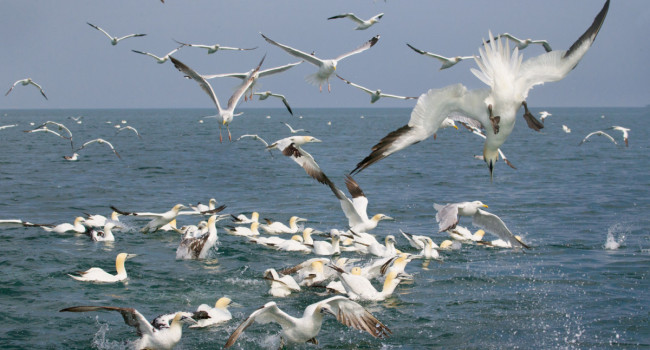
[[100, 341], [615, 236]]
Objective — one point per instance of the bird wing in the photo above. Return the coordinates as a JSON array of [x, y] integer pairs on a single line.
[[229, 75], [232, 102], [359, 200], [370, 43], [397, 96], [130, 36], [306, 161], [350, 211], [267, 313], [601, 133], [279, 69], [101, 30], [255, 137], [426, 53], [39, 88], [47, 130], [356, 316], [356, 85], [447, 216], [205, 86], [235, 48], [131, 316], [493, 224], [351, 16], [297, 53], [148, 54], [544, 43]]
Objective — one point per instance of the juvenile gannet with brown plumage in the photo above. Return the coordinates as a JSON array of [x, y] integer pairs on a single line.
[[198, 247], [306, 328], [96, 274]]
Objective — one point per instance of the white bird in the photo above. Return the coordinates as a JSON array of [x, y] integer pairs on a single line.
[[361, 23], [256, 137], [60, 128], [448, 215], [47, 130], [359, 287], [114, 40], [199, 247], [306, 328], [216, 47], [76, 227], [543, 115], [101, 142], [476, 131], [326, 67], [104, 235], [281, 286], [460, 233], [624, 131], [212, 205], [277, 227], [96, 274], [375, 95], [566, 129], [266, 94], [599, 133], [509, 80], [416, 241], [244, 231], [25, 82], [523, 43], [446, 61], [73, 157], [129, 128], [216, 315], [295, 131], [159, 60], [326, 248], [290, 147], [295, 244], [242, 219], [158, 219], [384, 250], [226, 115], [7, 126], [163, 338], [97, 220], [309, 272]]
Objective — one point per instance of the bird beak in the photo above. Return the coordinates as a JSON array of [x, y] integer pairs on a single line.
[[455, 127], [316, 140], [485, 206], [129, 256], [388, 218], [301, 220]]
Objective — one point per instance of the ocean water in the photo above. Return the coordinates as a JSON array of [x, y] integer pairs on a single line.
[[583, 209]]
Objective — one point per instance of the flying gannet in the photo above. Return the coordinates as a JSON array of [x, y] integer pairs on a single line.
[[129, 128], [375, 95], [361, 23], [25, 82], [446, 61], [290, 147], [114, 40]]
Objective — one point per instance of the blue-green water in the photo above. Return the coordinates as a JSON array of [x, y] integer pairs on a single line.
[[564, 200]]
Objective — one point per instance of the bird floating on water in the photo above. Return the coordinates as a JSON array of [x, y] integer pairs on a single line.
[[216, 315], [96, 274]]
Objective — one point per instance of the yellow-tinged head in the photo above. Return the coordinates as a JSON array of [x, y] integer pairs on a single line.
[[317, 265], [356, 271], [178, 207], [379, 217], [212, 220], [254, 226], [78, 220], [479, 234], [446, 244], [115, 215], [296, 238], [223, 303], [255, 216]]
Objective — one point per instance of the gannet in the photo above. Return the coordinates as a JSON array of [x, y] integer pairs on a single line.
[[476, 131], [448, 215], [216, 47], [7, 126], [24, 82], [295, 244], [257, 137], [163, 338], [100, 141], [129, 128], [244, 231], [361, 24], [290, 147], [523, 43], [162, 59], [326, 248], [254, 74], [325, 67], [216, 315], [21, 223], [277, 227], [462, 234], [97, 220], [76, 227], [212, 205], [446, 61], [309, 272], [416, 241], [397, 264], [159, 219], [281, 286], [375, 95], [543, 115], [114, 40], [199, 247], [623, 130], [306, 328], [105, 235], [242, 219], [294, 131], [264, 95], [226, 115], [599, 133], [360, 288], [497, 243], [509, 80], [566, 129], [384, 250], [96, 274], [72, 158], [60, 128]]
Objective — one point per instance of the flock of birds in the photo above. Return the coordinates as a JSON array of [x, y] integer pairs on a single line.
[[489, 113]]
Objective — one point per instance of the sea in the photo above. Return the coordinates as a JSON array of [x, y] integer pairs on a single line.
[[583, 209]]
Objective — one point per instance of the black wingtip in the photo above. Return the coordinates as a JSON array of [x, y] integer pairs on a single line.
[[592, 31]]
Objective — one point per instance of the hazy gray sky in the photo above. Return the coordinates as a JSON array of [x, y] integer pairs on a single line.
[[78, 68]]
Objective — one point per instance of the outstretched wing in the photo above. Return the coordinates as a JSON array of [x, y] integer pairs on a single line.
[[493, 224], [131, 316], [295, 52], [354, 315], [205, 86], [267, 313], [447, 216], [370, 43]]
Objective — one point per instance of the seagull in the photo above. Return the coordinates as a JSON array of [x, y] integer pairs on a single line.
[[216, 315], [447, 218], [214, 48], [375, 95], [543, 115], [476, 131], [277, 227], [566, 129], [281, 286], [7, 126], [159, 60], [264, 95], [495, 108], [24, 82], [114, 39], [129, 128], [362, 24], [292, 130], [199, 247], [306, 328], [290, 147], [154, 335], [100, 141], [325, 67], [45, 129], [446, 61], [60, 127], [96, 274], [256, 137], [255, 75], [599, 133], [624, 131], [226, 115], [522, 44]]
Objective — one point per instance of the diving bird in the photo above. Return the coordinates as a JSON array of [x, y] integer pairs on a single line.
[[290, 147], [446, 61], [129, 128], [96, 274], [155, 335], [292, 130], [624, 131], [306, 328], [448, 215], [361, 23], [162, 59], [326, 67], [509, 80], [216, 47], [476, 131], [226, 115], [355, 209], [543, 115], [25, 82], [599, 133], [101, 142], [216, 315], [264, 95], [114, 40], [375, 95], [523, 43]]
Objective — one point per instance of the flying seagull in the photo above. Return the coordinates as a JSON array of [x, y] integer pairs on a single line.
[[446, 61], [114, 39], [623, 130], [375, 95], [523, 43], [24, 82], [361, 24], [214, 48], [264, 95], [100, 141], [599, 133], [162, 59]]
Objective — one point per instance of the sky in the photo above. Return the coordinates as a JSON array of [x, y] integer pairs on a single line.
[[77, 66]]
